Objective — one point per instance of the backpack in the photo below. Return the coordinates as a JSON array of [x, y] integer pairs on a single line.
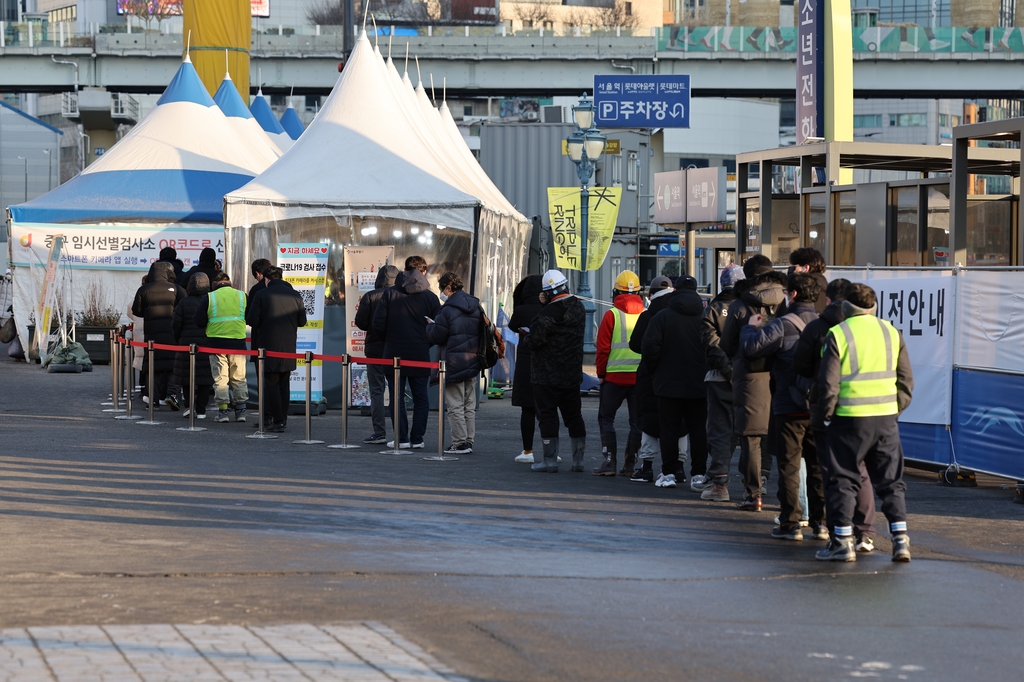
[[492, 346], [800, 388]]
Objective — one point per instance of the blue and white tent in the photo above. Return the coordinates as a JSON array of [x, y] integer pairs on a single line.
[[163, 184], [291, 122], [241, 119], [264, 115]]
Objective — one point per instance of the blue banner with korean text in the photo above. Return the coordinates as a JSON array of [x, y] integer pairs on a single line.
[[642, 101], [810, 70]]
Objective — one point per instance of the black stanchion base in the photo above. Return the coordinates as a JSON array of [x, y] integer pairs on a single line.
[[440, 458], [342, 446]]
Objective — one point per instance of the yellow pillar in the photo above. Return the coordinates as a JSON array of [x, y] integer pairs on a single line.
[[838, 124], [219, 35]]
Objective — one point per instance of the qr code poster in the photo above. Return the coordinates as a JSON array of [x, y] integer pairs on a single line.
[[305, 268], [362, 265]]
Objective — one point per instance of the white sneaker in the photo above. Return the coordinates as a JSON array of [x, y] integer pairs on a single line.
[[865, 545], [700, 483], [665, 481], [525, 457], [401, 446]]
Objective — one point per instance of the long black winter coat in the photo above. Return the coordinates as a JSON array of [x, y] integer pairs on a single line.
[[556, 342], [277, 312], [778, 339], [256, 288], [458, 328], [751, 381], [187, 332], [672, 350], [711, 329], [646, 401], [373, 345], [400, 319], [155, 302], [527, 305], [807, 356]]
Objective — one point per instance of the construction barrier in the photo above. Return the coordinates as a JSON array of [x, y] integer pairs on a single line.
[[122, 377]]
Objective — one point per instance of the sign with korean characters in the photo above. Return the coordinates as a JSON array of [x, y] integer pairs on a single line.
[[670, 197], [564, 210], [642, 101], [921, 305], [305, 268], [705, 194], [362, 265], [113, 246], [810, 69]]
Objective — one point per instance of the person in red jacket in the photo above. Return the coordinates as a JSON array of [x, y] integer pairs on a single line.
[[616, 368]]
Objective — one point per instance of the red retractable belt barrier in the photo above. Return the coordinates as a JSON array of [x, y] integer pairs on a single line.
[[275, 354]]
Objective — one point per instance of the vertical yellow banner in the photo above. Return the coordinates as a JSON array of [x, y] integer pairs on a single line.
[[564, 210], [216, 28]]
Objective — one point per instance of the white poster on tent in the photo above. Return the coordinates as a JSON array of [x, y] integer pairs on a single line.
[[113, 246], [305, 268], [362, 265], [921, 305]]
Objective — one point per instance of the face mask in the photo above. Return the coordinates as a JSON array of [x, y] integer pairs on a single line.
[[444, 297]]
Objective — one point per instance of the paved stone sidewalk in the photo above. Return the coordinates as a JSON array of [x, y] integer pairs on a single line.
[[362, 652]]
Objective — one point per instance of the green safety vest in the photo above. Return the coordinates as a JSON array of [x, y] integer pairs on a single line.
[[620, 357], [869, 351], [226, 314]]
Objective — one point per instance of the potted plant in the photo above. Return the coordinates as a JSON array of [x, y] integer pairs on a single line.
[[93, 324]]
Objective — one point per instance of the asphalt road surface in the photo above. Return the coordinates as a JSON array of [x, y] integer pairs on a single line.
[[142, 552]]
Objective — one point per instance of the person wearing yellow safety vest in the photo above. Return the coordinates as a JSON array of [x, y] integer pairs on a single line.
[[865, 382], [616, 369], [222, 313]]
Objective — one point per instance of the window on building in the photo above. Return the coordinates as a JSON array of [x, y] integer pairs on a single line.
[[907, 120], [955, 120], [943, 120], [867, 120], [632, 170], [614, 166], [629, 8], [901, 12]]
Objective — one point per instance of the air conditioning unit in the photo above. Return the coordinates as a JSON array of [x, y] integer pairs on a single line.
[[551, 114]]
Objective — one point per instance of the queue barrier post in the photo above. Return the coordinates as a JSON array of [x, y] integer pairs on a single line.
[[130, 382], [346, 381], [309, 401], [126, 365], [397, 399], [115, 371], [149, 386], [260, 433], [110, 401], [441, 457], [192, 390]]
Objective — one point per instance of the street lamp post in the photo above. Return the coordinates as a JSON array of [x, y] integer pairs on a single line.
[[25, 159], [49, 170], [585, 146]]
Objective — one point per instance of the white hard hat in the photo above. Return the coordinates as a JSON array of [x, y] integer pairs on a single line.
[[553, 279]]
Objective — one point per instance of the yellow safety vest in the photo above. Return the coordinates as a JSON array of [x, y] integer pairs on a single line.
[[226, 314], [620, 357], [869, 351]]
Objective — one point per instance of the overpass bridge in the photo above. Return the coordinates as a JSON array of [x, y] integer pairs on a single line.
[[734, 62]]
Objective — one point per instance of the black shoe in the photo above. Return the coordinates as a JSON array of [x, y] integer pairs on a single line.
[[607, 467], [838, 549], [752, 504], [276, 427], [795, 533], [170, 402], [643, 475]]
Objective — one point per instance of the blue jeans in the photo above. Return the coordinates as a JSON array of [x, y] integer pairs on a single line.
[[420, 408]]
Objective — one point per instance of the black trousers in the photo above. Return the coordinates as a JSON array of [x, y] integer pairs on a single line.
[[864, 512], [876, 442], [276, 397], [751, 464], [612, 396], [527, 426], [796, 442], [160, 383], [549, 401], [676, 417]]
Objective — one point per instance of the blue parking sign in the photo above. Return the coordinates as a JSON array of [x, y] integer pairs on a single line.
[[642, 101]]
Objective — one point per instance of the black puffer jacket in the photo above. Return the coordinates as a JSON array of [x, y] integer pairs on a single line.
[[646, 401], [526, 306], [672, 350], [778, 339], [276, 314], [712, 326], [207, 265], [751, 382], [457, 329], [400, 319], [373, 345], [807, 356], [187, 332], [556, 341], [155, 302]]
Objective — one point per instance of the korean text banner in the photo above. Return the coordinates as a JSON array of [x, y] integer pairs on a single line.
[[362, 265], [113, 246], [305, 268], [642, 101], [921, 306], [564, 211]]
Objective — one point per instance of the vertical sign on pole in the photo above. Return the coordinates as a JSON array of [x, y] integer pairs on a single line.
[[810, 70], [305, 268], [362, 265], [49, 294]]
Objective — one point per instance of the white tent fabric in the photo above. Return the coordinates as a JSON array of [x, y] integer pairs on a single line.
[[362, 125], [264, 115], [241, 119]]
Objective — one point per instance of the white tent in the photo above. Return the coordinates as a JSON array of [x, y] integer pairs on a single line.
[[162, 185], [377, 166], [241, 119], [264, 115]]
